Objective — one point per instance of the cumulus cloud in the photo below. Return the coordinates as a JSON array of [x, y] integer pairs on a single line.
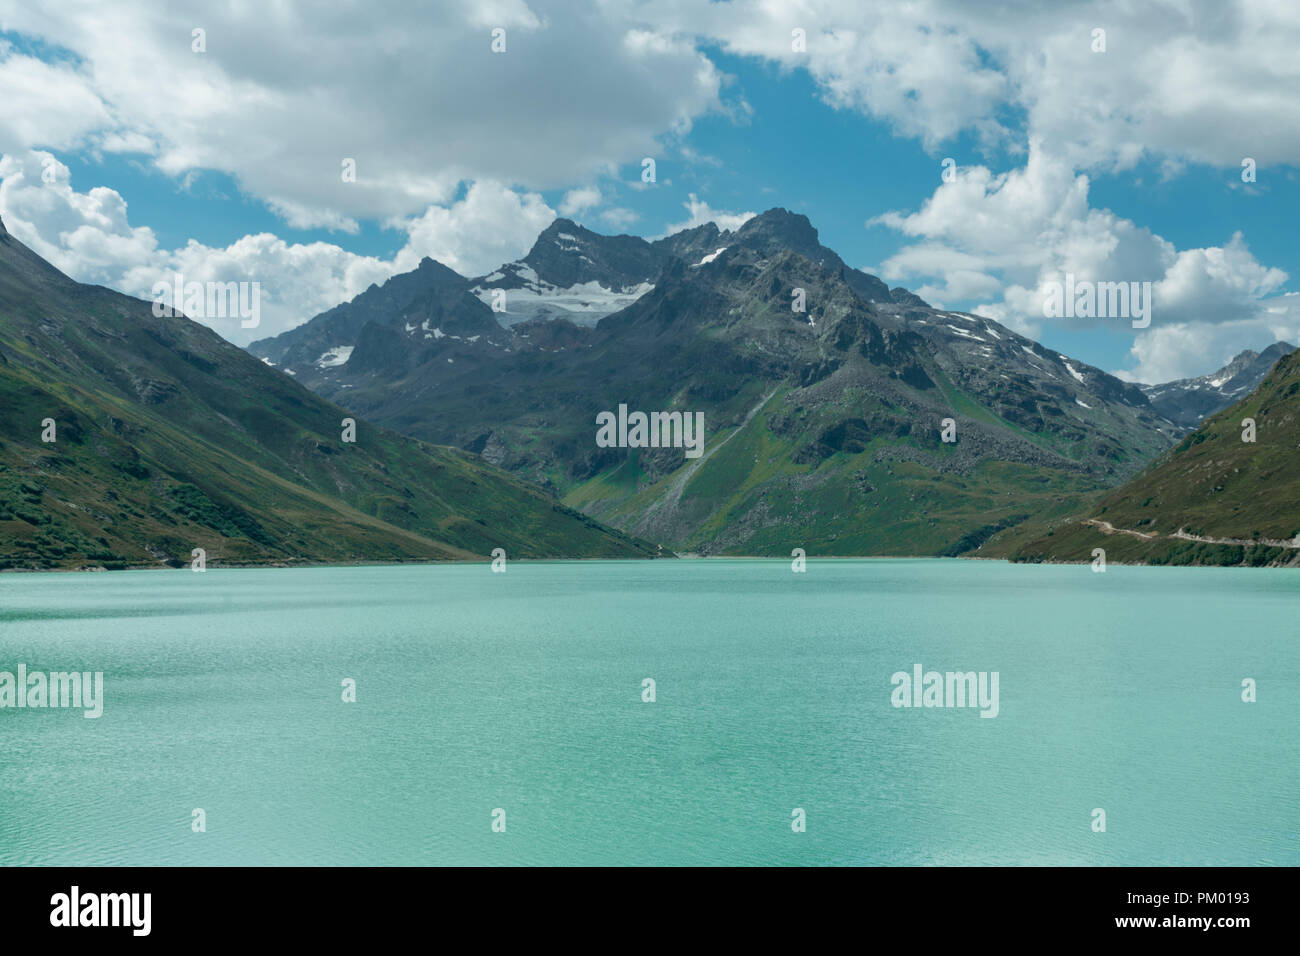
[[1205, 82], [88, 236], [1017, 233], [1177, 83], [578, 201], [285, 93], [489, 226], [618, 218], [268, 103], [49, 105], [1181, 350], [701, 212]]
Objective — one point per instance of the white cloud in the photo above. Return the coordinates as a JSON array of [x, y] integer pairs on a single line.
[[88, 236], [286, 92], [46, 105], [618, 218], [578, 201], [269, 103], [701, 212], [1207, 82], [491, 225], [959, 285], [1178, 83], [1218, 284], [1019, 231], [1177, 351], [489, 14]]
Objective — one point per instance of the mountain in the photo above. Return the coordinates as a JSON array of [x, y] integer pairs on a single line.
[[1213, 499], [310, 343], [823, 426], [1187, 401], [167, 438], [571, 273], [574, 273]]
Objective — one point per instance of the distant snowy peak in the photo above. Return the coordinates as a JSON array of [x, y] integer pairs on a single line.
[[1187, 401], [571, 272], [567, 255]]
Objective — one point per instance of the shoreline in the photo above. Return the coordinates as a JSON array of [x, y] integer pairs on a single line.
[[567, 560], [453, 561]]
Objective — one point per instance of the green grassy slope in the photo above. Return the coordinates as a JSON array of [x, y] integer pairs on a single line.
[[823, 427], [169, 438], [879, 493], [1242, 497]]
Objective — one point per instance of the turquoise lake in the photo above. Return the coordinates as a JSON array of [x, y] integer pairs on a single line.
[[523, 691]]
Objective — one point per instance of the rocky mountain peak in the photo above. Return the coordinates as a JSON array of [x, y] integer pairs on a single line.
[[1274, 352], [563, 235], [1188, 401], [780, 228], [434, 271], [553, 231], [1240, 361], [567, 254]]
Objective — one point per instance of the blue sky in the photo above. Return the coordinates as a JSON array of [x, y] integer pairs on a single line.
[[1091, 162]]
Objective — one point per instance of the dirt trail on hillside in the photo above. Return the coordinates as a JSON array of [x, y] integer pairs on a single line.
[[1105, 527], [673, 494]]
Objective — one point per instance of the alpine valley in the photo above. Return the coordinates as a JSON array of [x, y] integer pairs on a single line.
[[824, 426], [1227, 494], [130, 440]]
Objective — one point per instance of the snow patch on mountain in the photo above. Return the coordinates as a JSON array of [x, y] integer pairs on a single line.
[[335, 357], [584, 303]]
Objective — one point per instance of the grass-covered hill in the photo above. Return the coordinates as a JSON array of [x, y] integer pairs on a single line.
[[824, 426], [168, 438], [1213, 499]]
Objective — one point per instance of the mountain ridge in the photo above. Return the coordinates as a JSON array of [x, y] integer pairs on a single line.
[[570, 272], [129, 439], [1187, 401], [1227, 494], [831, 416]]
